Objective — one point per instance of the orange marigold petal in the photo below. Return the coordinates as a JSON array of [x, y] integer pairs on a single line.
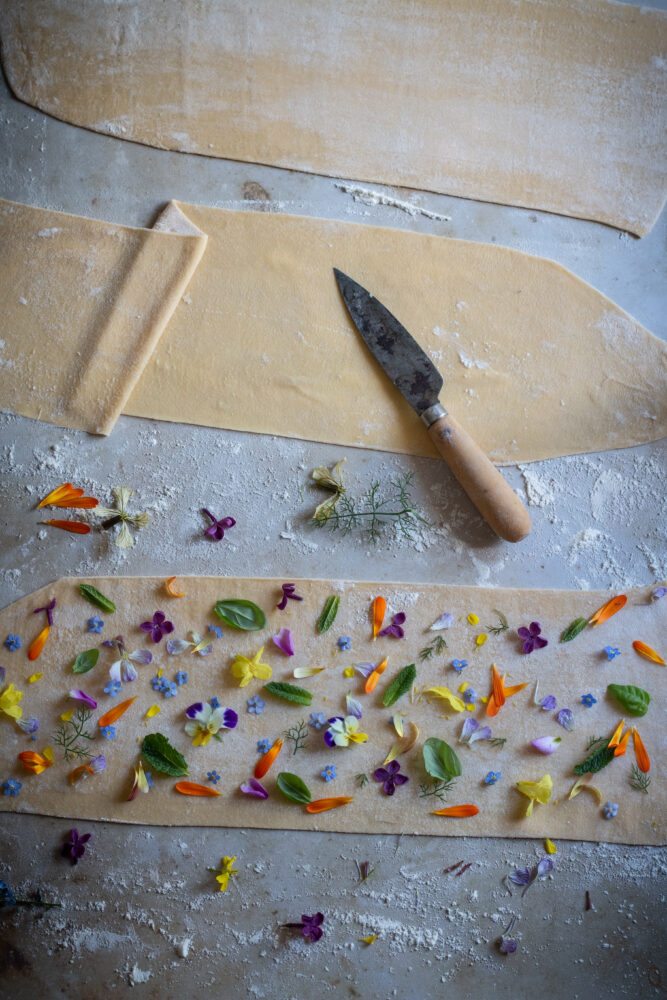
[[622, 746], [616, 738], [265, 762], [192, 788], [607, 610], [508, 692], [379, 609], [647, 652], [170, 590], [115, 713], [458, 811], [82, 503], [78, 527], [35, 762], [498, 687], [37, 645], [58, 494], [374, 676], [323, 805], [643, 761]]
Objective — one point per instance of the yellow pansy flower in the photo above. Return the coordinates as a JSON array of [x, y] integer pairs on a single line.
[[9, 702], [245, 669], [226, 871], [536, 791]]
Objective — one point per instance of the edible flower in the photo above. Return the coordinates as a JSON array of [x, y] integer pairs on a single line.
[[317, 720], [244, 669], [11, 787], [256, 705], [195, 789], [217, 528], [80, 695], [395, 629], [202, 646], [546, 744], [641, 755], [459, 665], [75, 847], [531, 637], [141, 783], [29, 726], [507, 945], [587, 700], [457, 812], [311, 927], [37, 762], [607, 610], [658, 593], [76, 527], [444, 621], [443, 692], [499, 692], [610, 810], [67, 496], [329, 772], [343, 731], [254, 788], [379, 609], [284, 642], [526, 876], [94, 766], [612, 652], [12, 642], [352, 707], [37, 644], [289, 594], [647, 652], [263, 746], [492, 777], [158, 627], [114, 714], [329, 479], [206, 722], [9, 702], [324, 805], [119, 515], [122, 669], [264, 763], [390, 776], [373, 676], [565, 718], [344, 643], [95, 624], [226, 872], [108, 732], [472, 731], [536, 791]]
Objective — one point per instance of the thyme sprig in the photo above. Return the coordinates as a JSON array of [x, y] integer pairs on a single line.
[[69, 733], [297, 736], [376, 508], [502, 625], [437, 788], [363, 779], [437, 646], [639, 780], [497, 741]]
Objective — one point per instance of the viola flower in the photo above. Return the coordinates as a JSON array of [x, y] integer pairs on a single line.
[[75, 847], [395, 629], [329, 772], [565, 718], [123, 669], [492, 777], [244, 669], [181, 678], [546, 744], [256, 705], [609, 810], [611, 652], [459, 665], [108, 732], [311, 927], [548, 703], [226, 872], [284, 642], [119, 515], [158, 627], [531, 637], [343, 731], [263, 746], [217, 528], [13, 642], [289, 594], [95, 624], [390, 776], [345, 643], [255, 788], [9, 702], [11, 787], [472, 731], [112, 688], [588, 700], [213, 777], [93, 766], [206, 722]]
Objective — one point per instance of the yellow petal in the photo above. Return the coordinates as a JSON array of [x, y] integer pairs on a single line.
[[583, 785], [370, 939], [66, 716], [536, 791], [473, 619], [348, 672], [397, 723], [307, 671], [481, 639], [34, 677], [446, 695], [152, 711], [48, 753], [262, 671], [549, 846], [403, 745]]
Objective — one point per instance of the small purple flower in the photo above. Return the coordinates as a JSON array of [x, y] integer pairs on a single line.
[[75, 847], [256, 705], [216, 530], [609, 810], [95, 624], [472, 731], [658, 593], [158, 627], [521, 876], [492, 777], [80, 695], [390, 776], [49, 611], [11, 787], [565, 718], [284, 642], [310, 926], [345, 643], [507, 946], [289, 594], [549, 703], [531, 637], [253, 787], [395, 629], [108, 732], [459, 665], [98, 763], [317, 720], [470, 696], [213, 777], [329, 772], [13, 642], [611, 652], [588, 700], [29, 726]]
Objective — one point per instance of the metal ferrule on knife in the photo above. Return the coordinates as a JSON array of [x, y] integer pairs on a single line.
[[433, 413]]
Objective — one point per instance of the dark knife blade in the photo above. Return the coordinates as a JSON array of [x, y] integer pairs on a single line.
[[410, 369]]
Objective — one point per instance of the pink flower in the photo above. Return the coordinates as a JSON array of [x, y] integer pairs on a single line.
[[546, 744], [284, 642]]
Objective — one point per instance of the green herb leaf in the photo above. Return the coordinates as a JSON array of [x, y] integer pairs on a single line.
[[634, 700], [400, 685], [293, 788], [93, 595], [162, 756], [573, 629], [329, 612], [440, 760], [243, 615], [290, 692], [85, 661], [596, 761]]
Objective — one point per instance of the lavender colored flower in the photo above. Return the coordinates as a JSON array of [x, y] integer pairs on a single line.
[[531, 637], [492, 777], [289, 594], [11, 787], [75, 847], [609, 810], [470, 696], [29, 726], [13, 642], [345, 643], [95, 624], [256, 705], [395, 629], [217, 631], [472, 731], [459, 665], [565, 718], [521, 876], [284, 642], [329, 772], [546, 744], [658, 593], [158, 627], [214, 702], [507, 946], [310, 926], [217, 528], [98, 763], [317, 720], [588, 700], [253, 787], [549, 703], [80, 695], [390, 776], [612, 652]]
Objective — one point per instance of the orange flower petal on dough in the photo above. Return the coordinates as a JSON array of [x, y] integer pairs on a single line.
[[36, 762], [647, 652], [514, 689], [77, 527], [265, 762], [458, 811], [374, 676], [170, 590], [379, 609], [82, 503], [115, 713], [37, 645], [60, 492], [323, 805], [192, 788], [643, 762], [616, 738], [608, 609], [622, 746]]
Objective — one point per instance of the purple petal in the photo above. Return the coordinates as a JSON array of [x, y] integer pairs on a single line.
[[508, 946], [167, 627], [522, 876], [389, 786], [381, 774], [177, 646], [549, 703], [523, 632], [328, 739], [205, 651], [230, 719], [545, 866], [393, 767], [193, 710], [353, 706], [469, 727], [229, 522], [528, 646], [159, 617], [540, 643], [79, 695], [365, 669], [535, 628], [399, 618], [546, 744], [253, 787], [141, 656], [481, 734], [566, 718], [400, 779], [284, 642]]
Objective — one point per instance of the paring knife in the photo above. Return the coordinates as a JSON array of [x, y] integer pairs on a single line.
[[416, 377]]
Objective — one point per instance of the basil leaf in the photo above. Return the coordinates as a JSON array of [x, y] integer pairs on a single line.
[[293, 788], [400, 685], [162, 756], [290, 692], [573, 629], [633, 699], [243, 615], [85, 661], [596, 761], [93, 595], [329, 612], [440, 760]]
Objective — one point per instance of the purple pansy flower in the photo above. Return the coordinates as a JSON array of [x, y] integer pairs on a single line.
[[205, 722], [75, 847], [284, 642], [255, 788], [531, 637], [289, 594], [158, 627], [395, 629], [216, 530], [390, 776]]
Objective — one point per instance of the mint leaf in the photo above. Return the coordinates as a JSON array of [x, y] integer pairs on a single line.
[[440, 760], [329, 612], [162, 756], [290, 692], [400, 685], [85, 661], [240, 614], [93, 595], [633, 699], [293, 788]]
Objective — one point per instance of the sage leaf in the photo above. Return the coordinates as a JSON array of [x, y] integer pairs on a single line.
[[85, 661], [293, 788], [633, 699], [573, 629], [240, 614], [329, 612], [440, 760], [400, 685], [596, 761], [93, 595], [162, 756], [290, 692]]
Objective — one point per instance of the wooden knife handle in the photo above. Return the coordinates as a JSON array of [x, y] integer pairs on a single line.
[[494, 498]]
